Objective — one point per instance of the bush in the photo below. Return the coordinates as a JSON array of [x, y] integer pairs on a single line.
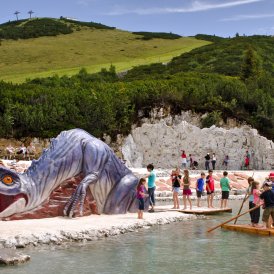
[[213, 118], [161, 35], [34, 28]]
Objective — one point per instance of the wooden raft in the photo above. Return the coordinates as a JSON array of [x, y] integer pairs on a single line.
[[206, 211], [249, 229]]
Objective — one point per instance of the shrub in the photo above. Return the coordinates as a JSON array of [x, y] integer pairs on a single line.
[[212, 118]]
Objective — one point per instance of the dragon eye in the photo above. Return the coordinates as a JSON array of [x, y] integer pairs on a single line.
[[7, 180]]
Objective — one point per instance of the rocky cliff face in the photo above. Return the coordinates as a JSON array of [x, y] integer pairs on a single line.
[[161, 143]]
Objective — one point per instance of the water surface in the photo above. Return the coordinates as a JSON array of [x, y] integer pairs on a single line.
[[183, 247]]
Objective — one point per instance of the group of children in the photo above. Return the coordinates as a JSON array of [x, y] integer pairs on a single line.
[[208, 181], [261, 196], [210, 188], [257, 196], [141, 191], [179, 181]]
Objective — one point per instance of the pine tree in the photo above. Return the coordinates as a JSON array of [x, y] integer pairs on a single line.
[[251, 65]]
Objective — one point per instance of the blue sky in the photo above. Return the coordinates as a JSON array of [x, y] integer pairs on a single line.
[[185, 17]]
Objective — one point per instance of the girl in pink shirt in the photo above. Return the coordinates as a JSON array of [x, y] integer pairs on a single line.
[[140, 194], [256, 201]]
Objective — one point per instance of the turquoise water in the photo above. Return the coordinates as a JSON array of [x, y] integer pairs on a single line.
[[183, 247]]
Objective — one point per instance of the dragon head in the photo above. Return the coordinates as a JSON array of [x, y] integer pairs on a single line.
[[13, 198]]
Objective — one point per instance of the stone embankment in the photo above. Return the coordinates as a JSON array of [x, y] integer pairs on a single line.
[[160, 141], [59, 230], [11, 257]]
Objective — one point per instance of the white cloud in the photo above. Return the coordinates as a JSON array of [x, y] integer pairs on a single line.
[[195, 6], [84, 3], [248, 17], [265, 31]]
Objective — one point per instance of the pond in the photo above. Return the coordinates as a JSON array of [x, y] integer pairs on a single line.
[[183, 247]]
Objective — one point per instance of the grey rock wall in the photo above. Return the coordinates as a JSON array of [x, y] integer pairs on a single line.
[[161, 143]]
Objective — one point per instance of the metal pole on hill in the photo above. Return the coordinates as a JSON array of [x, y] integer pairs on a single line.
[[30, 13], [16, 14]]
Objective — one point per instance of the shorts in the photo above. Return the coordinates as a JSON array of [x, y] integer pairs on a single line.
[[187, 192], [225, 195], [267, 212], [176, 189], [199, 193], [141, 204], [210, 192]]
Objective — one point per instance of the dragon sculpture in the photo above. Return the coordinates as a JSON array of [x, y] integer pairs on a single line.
[[72, 153]]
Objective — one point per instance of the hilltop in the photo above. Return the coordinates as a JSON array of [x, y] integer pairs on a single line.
[[38, 27], [60, 46]]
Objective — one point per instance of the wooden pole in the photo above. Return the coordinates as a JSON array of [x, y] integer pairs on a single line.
[[236, 217], [245, 198]]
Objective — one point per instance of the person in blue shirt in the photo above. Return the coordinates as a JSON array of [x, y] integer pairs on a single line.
[[268, 197], [200, 188], [151, 186]]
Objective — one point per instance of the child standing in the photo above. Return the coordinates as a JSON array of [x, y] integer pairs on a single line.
[[151, 186], [176, 183], [210, 189], [140, 196], [251, 198], [256, 201], [225, 186], [186, 189], [200, 188], [268, 197]]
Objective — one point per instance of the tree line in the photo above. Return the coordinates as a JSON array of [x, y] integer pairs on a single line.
[[145, 35], [102, 103]]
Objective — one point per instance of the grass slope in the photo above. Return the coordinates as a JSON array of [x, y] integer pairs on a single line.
[[225, 56], [89, 48]]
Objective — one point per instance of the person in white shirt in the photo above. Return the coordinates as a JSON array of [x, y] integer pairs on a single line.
[[213, 161], [10, 150]]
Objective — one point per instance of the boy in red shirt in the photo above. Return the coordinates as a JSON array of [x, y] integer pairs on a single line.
[[210, 189]]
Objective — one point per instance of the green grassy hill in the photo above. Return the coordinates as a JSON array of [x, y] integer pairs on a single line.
[[224, 56], [89, 45]]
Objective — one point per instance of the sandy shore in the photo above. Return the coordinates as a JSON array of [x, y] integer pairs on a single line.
[[58, 230]]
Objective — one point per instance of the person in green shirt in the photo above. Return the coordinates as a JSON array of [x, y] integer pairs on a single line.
[[225, 186], [151, 186]]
